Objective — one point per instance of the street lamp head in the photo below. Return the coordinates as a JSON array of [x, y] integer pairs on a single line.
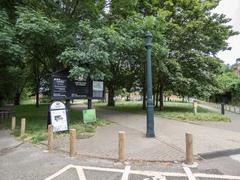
[[148, 40]]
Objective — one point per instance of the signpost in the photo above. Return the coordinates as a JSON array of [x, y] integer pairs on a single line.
[[150, 107], [58, 116], [222, 109]]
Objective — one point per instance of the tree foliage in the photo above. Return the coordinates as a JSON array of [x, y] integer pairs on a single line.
[[106, 40]]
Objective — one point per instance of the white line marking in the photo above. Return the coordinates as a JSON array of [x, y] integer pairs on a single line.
[[155, 174], [236, 157], [160, 175], [60, 172], [216, 176], [153, 178], [189, 173], [126, 173], [102, 169], [80, 173]]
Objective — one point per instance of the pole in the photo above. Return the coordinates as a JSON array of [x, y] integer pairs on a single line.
[[150, 107], [89, 104], [121, 146], [189, 149], [195, 105], [222, 109], [13, 123], [50, 137], [23, 126], [73, 135]]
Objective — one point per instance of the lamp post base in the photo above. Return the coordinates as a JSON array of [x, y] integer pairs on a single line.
[[150, 135]]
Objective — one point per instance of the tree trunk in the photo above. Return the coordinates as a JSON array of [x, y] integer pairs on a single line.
[[144, 99], [111, 101], [161, 97], [37, 92], [154, 97], [17, 98], [157, 96], [183, 99], [128, 97]]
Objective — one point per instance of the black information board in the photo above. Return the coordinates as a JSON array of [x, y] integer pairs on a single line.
[[78, 88], [59, 87]]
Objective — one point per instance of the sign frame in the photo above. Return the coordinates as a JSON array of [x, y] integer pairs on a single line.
[[70, 88], [60, 113]]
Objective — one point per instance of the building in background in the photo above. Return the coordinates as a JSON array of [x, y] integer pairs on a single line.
[[236, 67]]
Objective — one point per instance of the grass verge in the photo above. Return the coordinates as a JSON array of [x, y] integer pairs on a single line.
[[36, 122], [172, 110]]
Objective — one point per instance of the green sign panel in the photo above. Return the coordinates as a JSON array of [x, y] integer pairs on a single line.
[[89, 115]]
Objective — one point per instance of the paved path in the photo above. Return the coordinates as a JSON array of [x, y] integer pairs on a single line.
[[233, 126], [7, 142], [169, 144]]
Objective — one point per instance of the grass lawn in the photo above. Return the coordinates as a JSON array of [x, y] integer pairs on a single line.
[[36, 122], [172, 110]]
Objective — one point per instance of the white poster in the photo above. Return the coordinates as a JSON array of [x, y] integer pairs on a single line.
[[97, 85], [59, 120]]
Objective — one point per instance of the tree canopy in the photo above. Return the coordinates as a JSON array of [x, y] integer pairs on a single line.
[[106, 40]]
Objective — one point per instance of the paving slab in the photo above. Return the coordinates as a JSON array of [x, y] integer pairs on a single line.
[[172, 132], [105, 145], [168, 145]]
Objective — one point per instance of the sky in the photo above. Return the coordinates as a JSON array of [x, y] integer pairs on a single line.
[[231, 9]]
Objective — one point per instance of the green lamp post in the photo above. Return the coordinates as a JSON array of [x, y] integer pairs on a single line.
[[150, 107]]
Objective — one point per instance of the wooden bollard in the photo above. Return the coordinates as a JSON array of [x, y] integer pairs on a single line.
[[73, 135], [50, 137], [189, 149], [195, 106], [23, 126], [13, 123], [121, 146]]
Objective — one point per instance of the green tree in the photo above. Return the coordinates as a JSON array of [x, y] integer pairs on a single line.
[[11, 53], [41, 37], [194, 36]]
